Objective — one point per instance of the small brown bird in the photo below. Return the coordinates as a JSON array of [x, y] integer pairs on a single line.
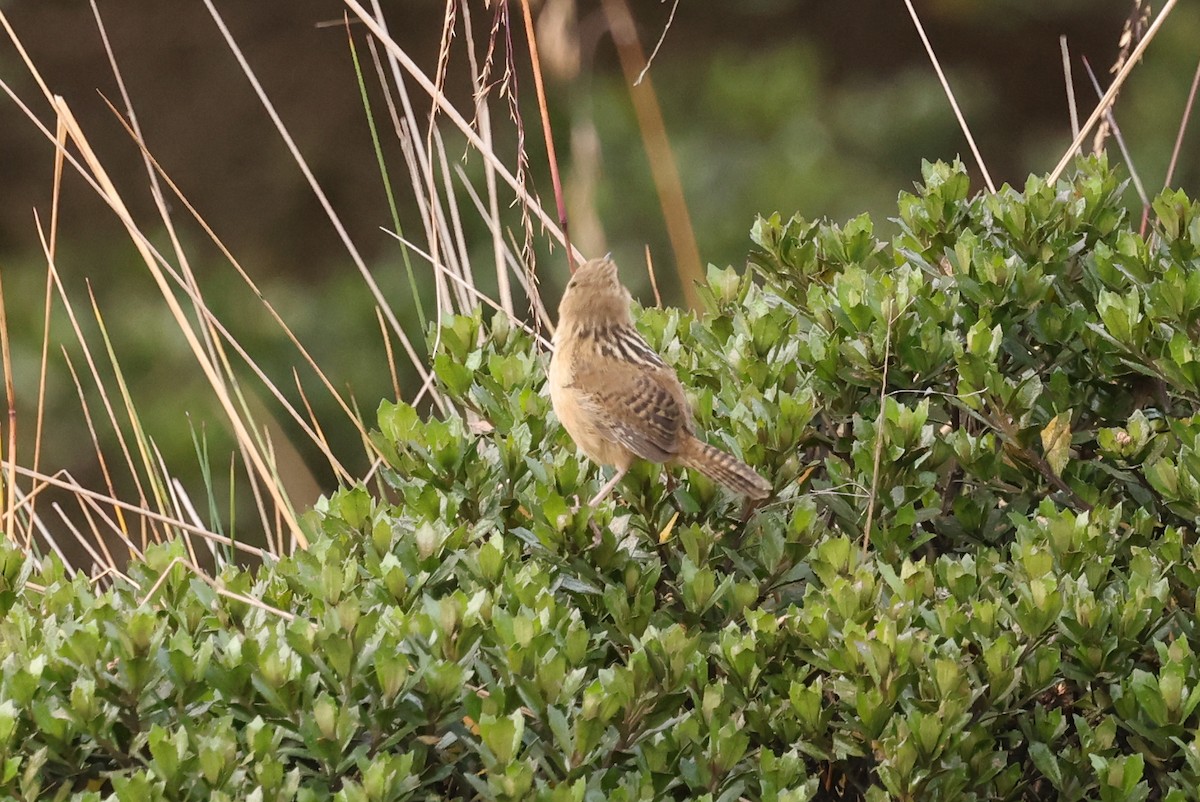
[[616, 398]]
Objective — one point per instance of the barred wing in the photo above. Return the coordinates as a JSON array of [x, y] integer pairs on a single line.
[[642, 410]]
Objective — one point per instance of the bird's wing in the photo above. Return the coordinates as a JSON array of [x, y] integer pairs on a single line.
[[643, 410]]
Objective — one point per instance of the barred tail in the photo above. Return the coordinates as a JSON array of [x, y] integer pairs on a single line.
[[724, 468]]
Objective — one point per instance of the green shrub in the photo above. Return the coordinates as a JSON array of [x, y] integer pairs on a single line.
[[1006, 391]]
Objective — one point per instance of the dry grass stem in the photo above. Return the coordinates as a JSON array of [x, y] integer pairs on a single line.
[[457, 119], [38, 526], [12, 35], [217, 586], [93, 370], [48, 299], [156, 192], [77, 489], [1111, 119], [331, 214], [227, 337], [529, 286], [483, 122], [186, 507], [110, 195], [547, 131], [1132, 32], [412, 148], [93, 511], [377, 143], [391, 362], [172, 489], [658, 45], [523, 275], [104, 562], [958, 115], [1113, 88], [428, 213], [471, 290], [1183, 124], [653, 280], [439, 81], [140, 439], [10, 503], [87, 416], [663, 169], [318, 434], [452, 231], [1071, 107], [214, 324]]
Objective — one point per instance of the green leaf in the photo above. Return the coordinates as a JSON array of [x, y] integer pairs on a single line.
[[1047, 763], [502, 735], [1121, 314]]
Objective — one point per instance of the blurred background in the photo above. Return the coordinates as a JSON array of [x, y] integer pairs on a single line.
[[818, 108]]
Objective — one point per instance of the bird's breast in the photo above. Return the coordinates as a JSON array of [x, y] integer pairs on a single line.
[[573, 413]]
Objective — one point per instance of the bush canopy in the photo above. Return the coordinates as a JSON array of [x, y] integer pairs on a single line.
[[976, 579]]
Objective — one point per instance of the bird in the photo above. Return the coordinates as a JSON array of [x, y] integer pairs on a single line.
[[616, 397]]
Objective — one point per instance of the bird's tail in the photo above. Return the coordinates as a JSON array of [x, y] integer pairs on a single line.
[[724, 468]]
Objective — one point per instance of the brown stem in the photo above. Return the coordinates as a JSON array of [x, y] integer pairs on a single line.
[[663, 169], [547, 132], [1187, 113]]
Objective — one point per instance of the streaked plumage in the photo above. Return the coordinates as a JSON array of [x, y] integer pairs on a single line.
[[616, 397]]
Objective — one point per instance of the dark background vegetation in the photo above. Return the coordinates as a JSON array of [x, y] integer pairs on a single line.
[[822, 108]]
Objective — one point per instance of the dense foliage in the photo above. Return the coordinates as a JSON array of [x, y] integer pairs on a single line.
[[1005, 393]]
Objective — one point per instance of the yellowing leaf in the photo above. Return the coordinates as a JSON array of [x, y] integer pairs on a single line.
[[665, 534], [1056, 442]]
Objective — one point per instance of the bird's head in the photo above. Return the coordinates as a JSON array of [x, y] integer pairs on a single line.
[[595, 292]]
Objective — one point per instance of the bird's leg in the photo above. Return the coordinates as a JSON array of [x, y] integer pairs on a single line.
[[604, 491], [597, 532]]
